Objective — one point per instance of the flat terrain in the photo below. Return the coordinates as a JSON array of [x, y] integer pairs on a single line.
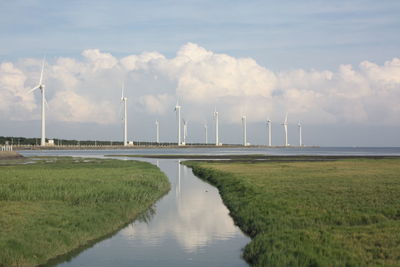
[[4, 155], [317, 213], [56, 205]]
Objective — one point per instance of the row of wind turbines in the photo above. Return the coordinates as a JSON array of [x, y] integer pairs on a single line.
[[177, 109], [244, 126]]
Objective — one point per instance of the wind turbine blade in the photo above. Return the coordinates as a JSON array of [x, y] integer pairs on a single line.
[[33, 89], [120, 112], [41, 73], [122, 90], [45, 102]]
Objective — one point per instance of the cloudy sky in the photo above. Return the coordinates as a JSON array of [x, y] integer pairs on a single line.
[[333, 66]]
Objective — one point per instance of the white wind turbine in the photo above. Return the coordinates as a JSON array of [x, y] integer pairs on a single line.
[[285, 124], [184, 131], [124, 100], [300, 137], [244, 130], [216, 127], [269, 131], [44, 102], [206, 132], [157, 132], [178, 114]]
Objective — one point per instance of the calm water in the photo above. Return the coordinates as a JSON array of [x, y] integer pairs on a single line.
[[332, 151], [189, 226]]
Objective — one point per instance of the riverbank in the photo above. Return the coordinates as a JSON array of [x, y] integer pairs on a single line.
[[252, 157], [56, 205], [6, 155], [340, 212]]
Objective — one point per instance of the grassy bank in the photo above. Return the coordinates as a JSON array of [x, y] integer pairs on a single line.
[[326, 213], [59, 204]]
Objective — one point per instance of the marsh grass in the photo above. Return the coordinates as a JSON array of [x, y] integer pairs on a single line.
[[59, 204], [333, 213]]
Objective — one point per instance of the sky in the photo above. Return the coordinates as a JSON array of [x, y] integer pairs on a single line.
[[334, 66]]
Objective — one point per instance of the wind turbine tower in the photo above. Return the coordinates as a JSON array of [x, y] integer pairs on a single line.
[[184, 131], [216, 127], [41, 87], [300, 137], [178, 114], [269, 131], [157, 132], [285, 124], [244, 130], [124, 99], [206, 132]]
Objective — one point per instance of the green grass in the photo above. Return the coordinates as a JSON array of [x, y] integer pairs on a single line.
[[60, 204], [332, 213]]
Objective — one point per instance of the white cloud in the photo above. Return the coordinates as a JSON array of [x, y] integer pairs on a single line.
[[88, 90]]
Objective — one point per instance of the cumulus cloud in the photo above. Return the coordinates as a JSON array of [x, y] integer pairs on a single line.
[[88, 89]]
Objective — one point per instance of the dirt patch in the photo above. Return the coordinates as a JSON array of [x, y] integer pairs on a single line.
[[9, 155]]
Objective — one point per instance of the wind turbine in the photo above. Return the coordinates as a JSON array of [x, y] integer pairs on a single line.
[[206, 132], [44, 102], [157, 132], [216, 127], [285, 124], [178, 114], [244, 130], [300, 137], [184, 131], [124, 99], [269, 131]]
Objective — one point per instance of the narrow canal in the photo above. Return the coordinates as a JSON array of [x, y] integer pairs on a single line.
[[190, 226]]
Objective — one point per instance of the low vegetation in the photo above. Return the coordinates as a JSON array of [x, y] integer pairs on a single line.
[[326, 213], [60, 204]]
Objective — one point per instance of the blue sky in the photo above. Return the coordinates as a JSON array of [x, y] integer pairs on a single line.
[[334, 65], [277, 34]]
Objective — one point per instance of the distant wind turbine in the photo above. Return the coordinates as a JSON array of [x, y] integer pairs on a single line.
[[44, 102], [269, 131], [178, 114], [157, 132], [216, 127], [285, 124], [206, 132], [244, 124], [184, 131], [300, 137], [124, 100]]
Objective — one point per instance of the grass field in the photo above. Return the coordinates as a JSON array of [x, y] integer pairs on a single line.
[[60, 204], [331, 213]]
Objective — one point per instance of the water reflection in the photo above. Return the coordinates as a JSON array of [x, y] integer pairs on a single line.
[[188, 227]]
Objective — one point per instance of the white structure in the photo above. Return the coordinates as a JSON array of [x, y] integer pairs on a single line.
[[51, 142], [41, 87], [285, 124], [300, 137], [216, 128], [124, 99], [130, 143], [206, 133], [244, 124], [269, 132], [157, 132], [184, 131], [178, 114]]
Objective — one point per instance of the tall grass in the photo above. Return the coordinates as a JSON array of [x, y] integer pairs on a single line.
[[338, 213], [58, 204]]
